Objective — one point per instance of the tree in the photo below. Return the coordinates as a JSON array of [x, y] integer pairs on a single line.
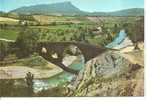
[[26, 42], [3, 49], [137, 31], [29, 80]]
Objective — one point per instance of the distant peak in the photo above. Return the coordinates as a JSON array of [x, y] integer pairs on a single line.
[[66, 2]]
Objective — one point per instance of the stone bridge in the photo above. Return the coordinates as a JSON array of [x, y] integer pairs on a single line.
[[87, 50]]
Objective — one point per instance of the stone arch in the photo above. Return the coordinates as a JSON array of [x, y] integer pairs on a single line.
[[72, 50], [71, 53]]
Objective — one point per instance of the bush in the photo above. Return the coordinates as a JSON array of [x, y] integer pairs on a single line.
[[26, 43], [136, 30]]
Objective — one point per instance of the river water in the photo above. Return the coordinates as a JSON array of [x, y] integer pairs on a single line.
[[61, 78], [118, 39]]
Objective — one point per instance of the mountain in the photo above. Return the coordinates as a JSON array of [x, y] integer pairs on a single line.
[[64, 8], [67, 8], [125, 12], [129, 12]]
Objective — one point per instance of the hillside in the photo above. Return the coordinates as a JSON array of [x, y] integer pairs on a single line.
[[125, 12], [65, 8], [129, 12], [102, 78], [4, 19]]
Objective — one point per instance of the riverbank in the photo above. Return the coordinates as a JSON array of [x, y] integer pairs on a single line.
[[113, 73], [19, 72]]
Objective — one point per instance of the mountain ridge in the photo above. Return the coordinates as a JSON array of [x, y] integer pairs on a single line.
[[67, 8]]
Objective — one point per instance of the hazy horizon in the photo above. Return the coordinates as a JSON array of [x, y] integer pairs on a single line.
[[84, 5]]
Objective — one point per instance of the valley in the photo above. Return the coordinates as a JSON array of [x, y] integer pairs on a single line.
[[59, 50]]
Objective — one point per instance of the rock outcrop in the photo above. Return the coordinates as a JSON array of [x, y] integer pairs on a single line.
[[109, 74]]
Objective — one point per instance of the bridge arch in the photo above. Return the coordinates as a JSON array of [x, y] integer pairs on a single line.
[[87, 50], [72, 50]]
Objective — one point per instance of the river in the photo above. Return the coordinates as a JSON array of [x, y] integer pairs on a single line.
[[61, 78]]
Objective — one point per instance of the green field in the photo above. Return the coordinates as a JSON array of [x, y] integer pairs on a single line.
[[64, 31], [8, 34]]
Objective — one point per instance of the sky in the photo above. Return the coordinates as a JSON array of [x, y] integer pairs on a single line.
[[85, 5]]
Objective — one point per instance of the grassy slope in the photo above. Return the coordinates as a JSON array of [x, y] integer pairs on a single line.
[[9, 21], [4, 19], [10, 34]]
